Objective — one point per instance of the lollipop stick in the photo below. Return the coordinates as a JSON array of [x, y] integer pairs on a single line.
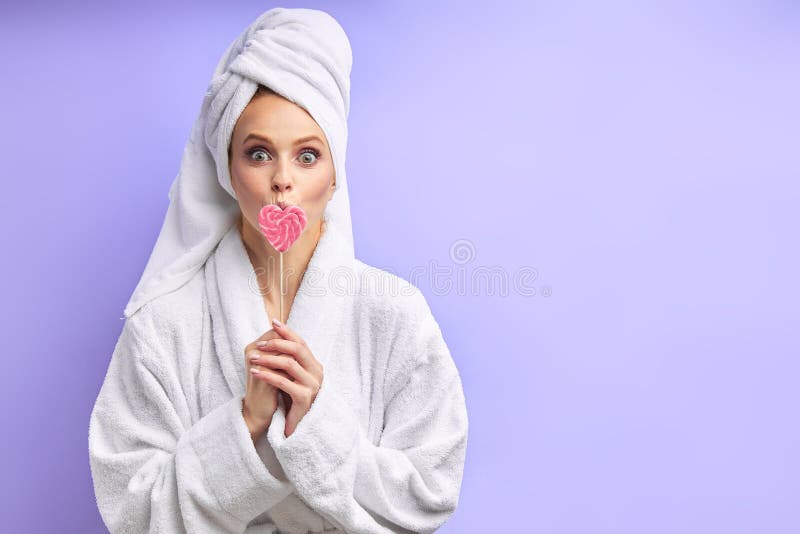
[[281, 274]]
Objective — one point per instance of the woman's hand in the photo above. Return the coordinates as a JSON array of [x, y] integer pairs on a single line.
[[294, 370], [261, 398]]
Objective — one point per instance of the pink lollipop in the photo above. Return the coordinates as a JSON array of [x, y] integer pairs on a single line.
[[281, 227]]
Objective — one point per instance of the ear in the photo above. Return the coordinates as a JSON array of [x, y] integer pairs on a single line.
[[230, 177]]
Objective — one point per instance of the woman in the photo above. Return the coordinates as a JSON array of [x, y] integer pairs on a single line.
[[351, 417]]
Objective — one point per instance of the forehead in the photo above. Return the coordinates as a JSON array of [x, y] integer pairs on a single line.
[[276, 117]]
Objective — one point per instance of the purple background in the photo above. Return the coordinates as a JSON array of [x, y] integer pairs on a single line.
[[641, 157]]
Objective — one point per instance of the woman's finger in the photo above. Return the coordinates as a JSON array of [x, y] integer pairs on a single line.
[[299, 352], [287, 333], [260, 368], [287, 364], [298, 392]]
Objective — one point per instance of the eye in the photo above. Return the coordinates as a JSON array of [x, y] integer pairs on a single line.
[[306, 156], [257, 150]]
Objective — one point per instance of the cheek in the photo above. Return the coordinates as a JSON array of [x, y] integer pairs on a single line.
[[318, 195], [250, 188], [246, 179]]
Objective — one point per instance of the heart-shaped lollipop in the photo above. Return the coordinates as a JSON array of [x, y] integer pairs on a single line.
[[281, 227]]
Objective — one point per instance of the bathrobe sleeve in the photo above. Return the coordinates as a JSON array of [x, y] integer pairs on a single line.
[[152, 470], [410, 481]]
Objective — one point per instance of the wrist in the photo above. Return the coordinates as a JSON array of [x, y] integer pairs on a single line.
[[255, 426]]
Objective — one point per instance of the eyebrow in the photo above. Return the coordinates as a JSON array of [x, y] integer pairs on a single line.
[[269, 141]]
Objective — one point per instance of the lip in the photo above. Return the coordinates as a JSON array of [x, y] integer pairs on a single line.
[[282, 204]]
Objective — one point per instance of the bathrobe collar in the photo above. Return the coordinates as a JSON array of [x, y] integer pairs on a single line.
[[238, 314]]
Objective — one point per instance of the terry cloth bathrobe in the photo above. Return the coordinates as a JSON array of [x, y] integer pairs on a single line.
[[383, 445]]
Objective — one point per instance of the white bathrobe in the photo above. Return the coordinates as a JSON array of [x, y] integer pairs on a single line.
[[381, 450]]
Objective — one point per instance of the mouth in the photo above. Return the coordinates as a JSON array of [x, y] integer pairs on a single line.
[[282, 204]]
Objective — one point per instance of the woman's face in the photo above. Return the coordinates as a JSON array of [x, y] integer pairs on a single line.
[[279, 152]]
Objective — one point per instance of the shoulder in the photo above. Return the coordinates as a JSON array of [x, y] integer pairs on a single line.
[[398, 310], [386, 298], [170, 321]]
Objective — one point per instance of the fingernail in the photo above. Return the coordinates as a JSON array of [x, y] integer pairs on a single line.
[[254, 370], [262, 343], [277, 322]]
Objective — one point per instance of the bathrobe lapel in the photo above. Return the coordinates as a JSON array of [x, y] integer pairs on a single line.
[[238, 315]]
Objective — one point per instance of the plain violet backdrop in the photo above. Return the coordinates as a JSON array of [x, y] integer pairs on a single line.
[[599, 200]]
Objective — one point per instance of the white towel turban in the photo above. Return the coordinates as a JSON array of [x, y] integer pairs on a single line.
[[303, 55]]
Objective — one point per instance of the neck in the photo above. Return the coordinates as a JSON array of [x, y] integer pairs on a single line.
[[267, 262]]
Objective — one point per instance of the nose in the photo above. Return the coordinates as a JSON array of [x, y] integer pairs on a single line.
[[281, 185]]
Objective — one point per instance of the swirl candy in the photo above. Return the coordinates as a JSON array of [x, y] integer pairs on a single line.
[[281, 227]]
